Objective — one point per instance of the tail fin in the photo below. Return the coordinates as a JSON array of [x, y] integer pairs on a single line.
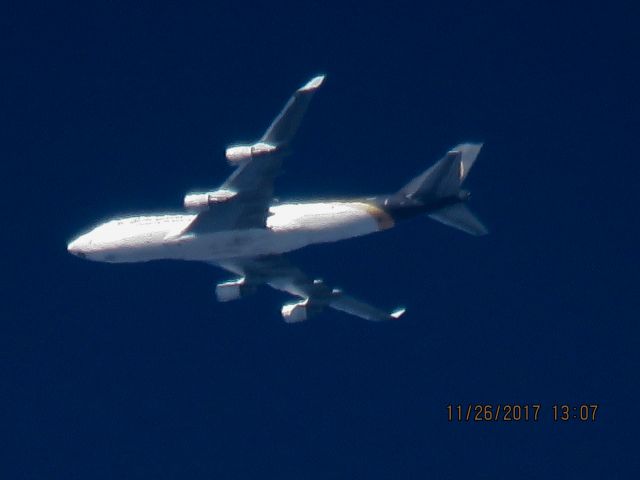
[[443, 182], [445, 177]]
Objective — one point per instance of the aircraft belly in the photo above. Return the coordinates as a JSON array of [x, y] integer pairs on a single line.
[[289, 227], [220, 245], [298, 225]]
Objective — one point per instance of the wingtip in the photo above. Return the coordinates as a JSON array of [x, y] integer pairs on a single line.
[[397, 313], [468, 148], [313, 84]]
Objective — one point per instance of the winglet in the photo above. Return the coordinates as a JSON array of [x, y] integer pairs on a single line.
[[397, 313], [312, 84]]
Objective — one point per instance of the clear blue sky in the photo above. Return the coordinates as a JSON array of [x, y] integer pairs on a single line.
[[134, 371]]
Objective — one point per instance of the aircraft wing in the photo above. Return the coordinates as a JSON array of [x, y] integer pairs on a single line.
[[277, 272], [251, 184]]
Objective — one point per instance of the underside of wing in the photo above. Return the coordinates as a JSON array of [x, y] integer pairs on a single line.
[[353, 306], [277, 272], [257, 166]]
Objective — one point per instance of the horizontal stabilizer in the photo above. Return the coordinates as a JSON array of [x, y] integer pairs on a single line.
[[460, 217]]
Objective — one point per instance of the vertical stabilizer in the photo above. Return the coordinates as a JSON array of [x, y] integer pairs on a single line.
[[445, 177]]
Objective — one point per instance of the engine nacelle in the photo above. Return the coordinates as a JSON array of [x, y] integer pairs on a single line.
[[200, 202], [296, 312], [241, 153], [233, 290]]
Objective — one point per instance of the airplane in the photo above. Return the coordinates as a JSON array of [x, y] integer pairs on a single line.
[[241, 228]]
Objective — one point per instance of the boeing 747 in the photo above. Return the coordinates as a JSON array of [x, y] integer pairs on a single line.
[[241, 228]]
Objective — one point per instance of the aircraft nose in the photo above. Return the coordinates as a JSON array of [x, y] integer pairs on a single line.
[[77, 246]]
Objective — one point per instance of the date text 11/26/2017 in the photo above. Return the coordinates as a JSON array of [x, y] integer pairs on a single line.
[[488, 412]]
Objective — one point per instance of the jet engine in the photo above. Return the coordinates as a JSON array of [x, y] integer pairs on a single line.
[[199, 202], [233, 290], [241, 153], [298, 311]]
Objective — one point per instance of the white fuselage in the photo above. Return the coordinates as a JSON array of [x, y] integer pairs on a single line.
[[289, 227]]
